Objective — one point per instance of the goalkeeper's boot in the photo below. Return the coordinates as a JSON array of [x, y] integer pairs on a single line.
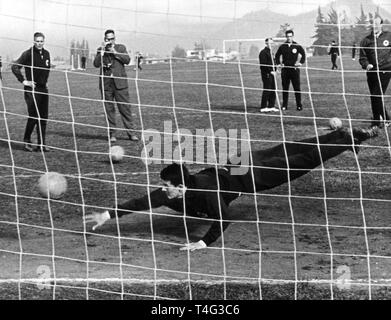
[[360, 135]]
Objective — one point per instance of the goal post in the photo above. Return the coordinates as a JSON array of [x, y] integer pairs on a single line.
[[245, 49]]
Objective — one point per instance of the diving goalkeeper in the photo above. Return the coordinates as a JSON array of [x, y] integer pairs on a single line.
[[204, 196]]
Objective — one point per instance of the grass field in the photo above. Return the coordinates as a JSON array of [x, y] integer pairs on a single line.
[[342, 222]]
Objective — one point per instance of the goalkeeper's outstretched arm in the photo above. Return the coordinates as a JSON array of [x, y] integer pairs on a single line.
[[155, 199]]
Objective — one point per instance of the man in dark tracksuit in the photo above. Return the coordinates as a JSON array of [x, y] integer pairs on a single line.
[[375, 57], [111, 59], [268, 70], [289, 51], [83, 62], [334, 53], [270, 169], [36, 63], [139, 60], [1, 65]]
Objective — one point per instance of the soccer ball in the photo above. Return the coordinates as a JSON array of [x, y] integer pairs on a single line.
[[52, 185], [335, 123], [116, 153]]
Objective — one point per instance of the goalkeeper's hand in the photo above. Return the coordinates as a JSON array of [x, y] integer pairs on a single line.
[[98, 217], [194, 246]]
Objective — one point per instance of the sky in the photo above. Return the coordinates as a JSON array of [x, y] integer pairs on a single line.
[[62, 19]]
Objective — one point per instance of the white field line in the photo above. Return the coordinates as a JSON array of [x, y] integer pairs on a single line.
[[87, 174], [204, 282]]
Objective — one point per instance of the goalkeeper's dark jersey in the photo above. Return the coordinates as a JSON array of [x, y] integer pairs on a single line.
[[201, 199], [272, 167]]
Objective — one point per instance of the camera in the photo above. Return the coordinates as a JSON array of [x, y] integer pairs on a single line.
[[108, 46], [107, 66]]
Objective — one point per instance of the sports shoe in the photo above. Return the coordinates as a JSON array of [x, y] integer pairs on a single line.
[[27, 147], [264, 110], [133, 138], [363, 134], [42, 149], [113, 139], [274, 109], [284, 108], [299, 108]]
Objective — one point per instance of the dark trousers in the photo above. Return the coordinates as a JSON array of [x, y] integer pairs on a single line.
[[269, 91], [270, 165], [378, 82], [121, 96], [289, 75], [333, 61], [38, 111]]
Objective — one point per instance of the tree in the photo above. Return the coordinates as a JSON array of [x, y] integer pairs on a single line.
[[178, 52], [370, 19], [283, 27], [340, 31], [78, 49], [332, 28], [72, 50], [322, 38], [360, 28], [87, 49]]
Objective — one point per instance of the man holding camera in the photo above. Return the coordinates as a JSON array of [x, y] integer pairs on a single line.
[[113, 83]]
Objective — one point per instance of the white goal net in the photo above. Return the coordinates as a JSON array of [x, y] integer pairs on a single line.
[[193, 97]]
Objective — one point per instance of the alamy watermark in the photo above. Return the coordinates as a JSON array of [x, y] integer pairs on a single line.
[[221, 147]]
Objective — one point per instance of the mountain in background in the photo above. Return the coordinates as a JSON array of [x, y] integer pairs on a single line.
[[158, 34], [254, 25]]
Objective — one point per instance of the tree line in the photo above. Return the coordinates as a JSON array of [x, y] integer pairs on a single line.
[[79, 49], [337, 27]]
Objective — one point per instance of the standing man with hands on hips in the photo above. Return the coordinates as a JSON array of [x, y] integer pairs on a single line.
[[289, 52], [111, 58], [36, 63], [375, 58]]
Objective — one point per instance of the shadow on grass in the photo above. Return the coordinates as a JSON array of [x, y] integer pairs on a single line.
[[14, 145], [86, 136], [236, 107]]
